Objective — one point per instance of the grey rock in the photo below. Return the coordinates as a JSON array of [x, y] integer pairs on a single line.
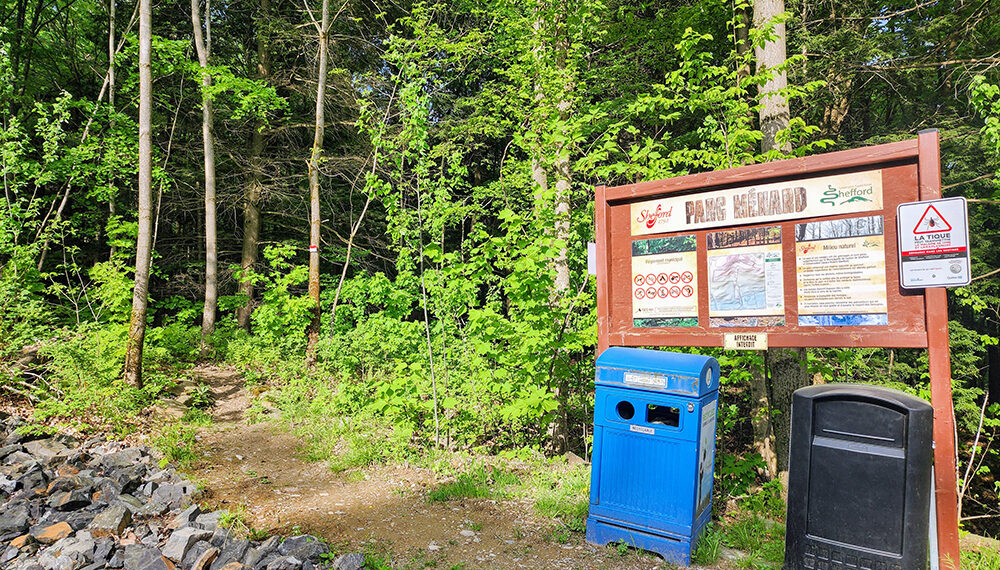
[[130, 502], [185, 518], [139, 557], [181, 540], [18, 458], [8, 449], [352, 561], [69, 500], [70, 483], [309, 549], [285, 563], [104, 550], [152, 509], [77, 519], [9, 554], [111, 521], [263, 562], [79, 549], [44, 448], [14, 520], [208, 521], [123, 458], [220, 537], [266, 548], [234, 551], [303, 547], [52, 561], [33, 479], [117, 559], [195, 553], [9, 485], [128, 478], [177, 496]]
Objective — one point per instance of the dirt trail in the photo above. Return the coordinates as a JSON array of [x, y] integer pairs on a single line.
[[257, 469]]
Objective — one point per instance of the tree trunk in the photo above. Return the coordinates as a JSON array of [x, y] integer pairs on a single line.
[[211, 238], [786, 368], [774, 112], [137, 327], [317, 149], [762, 422], [111, 103], [251, 202], [558, 432]]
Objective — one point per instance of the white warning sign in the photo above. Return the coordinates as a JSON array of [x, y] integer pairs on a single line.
[[933, 243]]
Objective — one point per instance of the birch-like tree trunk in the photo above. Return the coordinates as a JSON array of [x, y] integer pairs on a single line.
[[323, 27], [774, 113], [785, 367], [211, 238], [140, 293]]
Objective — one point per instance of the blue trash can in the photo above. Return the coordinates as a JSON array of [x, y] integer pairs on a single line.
[[654, 450]]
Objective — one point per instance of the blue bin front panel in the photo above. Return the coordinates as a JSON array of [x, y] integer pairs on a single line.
[[648, 474], [646, 481], [656, 370]]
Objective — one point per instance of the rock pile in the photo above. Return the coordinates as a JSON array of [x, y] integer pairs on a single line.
[[83, 506]]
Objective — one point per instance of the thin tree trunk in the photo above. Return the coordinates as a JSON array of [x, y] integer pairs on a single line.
[[558, 438], [211, 237], [111, 103], [251, 202], [140, 293], [761, 422], [317, 149]]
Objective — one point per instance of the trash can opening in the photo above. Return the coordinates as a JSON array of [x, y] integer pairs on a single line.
[[625, 409], [663, 415]]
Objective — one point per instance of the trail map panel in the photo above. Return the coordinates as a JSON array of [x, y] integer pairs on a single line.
[[840, 268], [664, 282], [745, 281]]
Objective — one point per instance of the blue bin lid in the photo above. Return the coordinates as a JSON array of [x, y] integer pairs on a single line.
[[658, 370]]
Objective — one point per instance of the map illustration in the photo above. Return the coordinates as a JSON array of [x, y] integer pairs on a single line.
[[737, 282]]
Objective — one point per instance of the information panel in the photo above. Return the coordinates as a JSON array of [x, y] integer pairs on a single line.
[[807, 252]]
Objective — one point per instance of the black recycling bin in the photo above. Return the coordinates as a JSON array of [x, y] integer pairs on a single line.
[[859, 479]]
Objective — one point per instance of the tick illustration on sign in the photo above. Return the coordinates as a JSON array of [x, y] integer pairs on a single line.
[[931, 222]]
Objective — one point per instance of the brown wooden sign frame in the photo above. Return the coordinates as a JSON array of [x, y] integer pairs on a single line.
[[916, 318]]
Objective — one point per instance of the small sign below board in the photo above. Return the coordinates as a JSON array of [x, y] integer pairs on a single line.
[[745, 341], [933, 243]]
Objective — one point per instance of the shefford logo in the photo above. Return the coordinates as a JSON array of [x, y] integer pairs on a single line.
[[853, 194], [650, 218]]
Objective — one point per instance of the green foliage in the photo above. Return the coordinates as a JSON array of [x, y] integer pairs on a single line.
[[480, 482], [177, 444]]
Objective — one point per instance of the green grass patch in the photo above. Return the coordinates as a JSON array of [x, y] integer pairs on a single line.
[[177, 444], [562, 492], [480, 482], [981, 559], [762, 539]]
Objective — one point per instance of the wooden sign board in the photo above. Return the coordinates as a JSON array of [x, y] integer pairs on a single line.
[[796, 253]]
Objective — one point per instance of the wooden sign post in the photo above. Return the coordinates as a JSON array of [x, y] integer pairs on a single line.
[[796, 253]]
